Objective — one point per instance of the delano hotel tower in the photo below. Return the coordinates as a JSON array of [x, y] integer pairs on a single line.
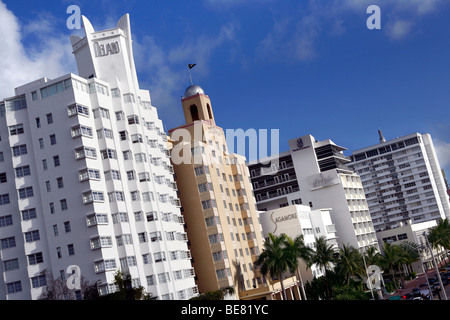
[[218, 206], [86, 180]]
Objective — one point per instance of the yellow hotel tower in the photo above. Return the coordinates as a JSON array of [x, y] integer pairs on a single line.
[[218, 205]]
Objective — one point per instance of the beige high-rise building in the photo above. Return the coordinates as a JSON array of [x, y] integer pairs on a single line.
[[218, 205]]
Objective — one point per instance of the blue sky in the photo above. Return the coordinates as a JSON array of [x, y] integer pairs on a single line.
[[303, 67]]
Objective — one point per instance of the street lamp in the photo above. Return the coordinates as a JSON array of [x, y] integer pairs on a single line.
[[365, 266], [423, 269], [435, 264]]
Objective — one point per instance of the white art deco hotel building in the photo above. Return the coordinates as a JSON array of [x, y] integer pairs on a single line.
[[86, 180]]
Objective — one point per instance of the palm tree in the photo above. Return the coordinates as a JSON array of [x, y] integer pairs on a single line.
[[297, 250], [411, 253], [439, 236], [323, 257], [393, 257], [275, 259], [348, 263]]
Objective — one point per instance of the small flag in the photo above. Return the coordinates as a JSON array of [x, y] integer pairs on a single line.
[[191, 66]]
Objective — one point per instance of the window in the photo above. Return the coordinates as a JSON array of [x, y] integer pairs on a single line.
[[60, 182], [63, 204], [19, 150], [15, 130], [35, 258], [77, 109], [102, 112], [56, 162], [101, 242], [32, 236], [12, 264], [8, 243], [135, 196], [70, 249], [148, 196], [28, 214], [206, 204], [38, 122], [67, 227], [115, 93], [85, 152], [133, 119], [136, 138], [131, 175], [128, 97], [3, 177], [26, 192], [6, 221], [49, 118], [120, 115], [109, 154], [41, 143], [14, 287], [202, 187], [52, 139], [93, 196], [127, 155], [144, 176], [39, 281], [123, 135], [52, 207], [80, 130], [34, 96], [86, 174], [116, 196], [140, 157]]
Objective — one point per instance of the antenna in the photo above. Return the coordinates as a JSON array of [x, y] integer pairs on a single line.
[[382, 139], [190, 67]]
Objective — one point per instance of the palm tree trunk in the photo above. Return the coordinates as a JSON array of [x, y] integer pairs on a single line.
[[282, 286], [301, 283]]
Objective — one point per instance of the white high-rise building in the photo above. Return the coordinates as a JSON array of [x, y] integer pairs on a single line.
[[86, 180], [315, 173], [402, 181]]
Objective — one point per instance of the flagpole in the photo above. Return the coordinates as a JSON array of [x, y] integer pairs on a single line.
[[190, 66]]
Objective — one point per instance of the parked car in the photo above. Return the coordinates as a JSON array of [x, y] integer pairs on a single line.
[[407, 296], [425, 294], [436, 286], [416, 295]]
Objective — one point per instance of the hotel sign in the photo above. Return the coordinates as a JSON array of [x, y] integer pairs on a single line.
[[283, 218], [102, 50], [300, 145], [322, 180]]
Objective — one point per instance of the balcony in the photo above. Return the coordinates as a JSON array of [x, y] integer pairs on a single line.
[[276, 194]]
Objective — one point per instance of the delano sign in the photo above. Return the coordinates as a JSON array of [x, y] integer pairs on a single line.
[[102, 50], [283, 218]]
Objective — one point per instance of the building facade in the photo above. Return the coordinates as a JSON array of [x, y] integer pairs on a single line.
[[300, 220], [413, 234], [402, 181], [315, 173], [217, 203], [87, 180]]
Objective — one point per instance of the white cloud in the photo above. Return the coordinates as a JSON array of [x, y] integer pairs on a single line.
[[398, 29], [296, 33], [21, 63], [166, 71], [443, 152]]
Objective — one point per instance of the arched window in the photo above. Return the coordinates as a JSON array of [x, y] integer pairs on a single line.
[[194, 113], [209, 111]]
